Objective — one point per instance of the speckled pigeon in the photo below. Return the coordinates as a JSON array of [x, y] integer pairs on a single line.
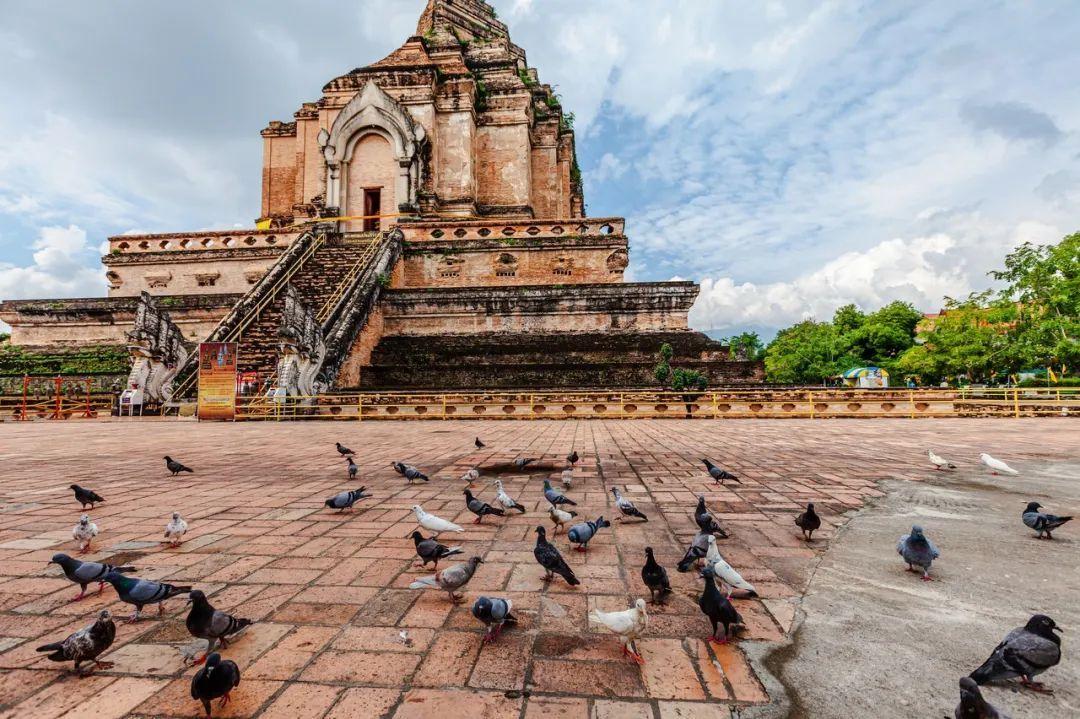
[[85, 645], [83, 573], [626, 506]]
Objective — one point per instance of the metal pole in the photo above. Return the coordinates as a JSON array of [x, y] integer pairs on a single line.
[[1016, 402], [810, 399]]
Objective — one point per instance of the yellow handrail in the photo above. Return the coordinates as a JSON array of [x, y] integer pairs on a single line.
[[350, 277]]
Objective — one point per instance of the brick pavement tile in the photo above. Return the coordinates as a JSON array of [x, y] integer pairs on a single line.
[[457, 704], [503, 663], [67, 692], [292, 653], [557, 708], [364, 703], [592, 678], [691, 710], [668, 671], [450, 660], [383, 669], [310, 701], [744, 685], [117, 699], [605, 709]]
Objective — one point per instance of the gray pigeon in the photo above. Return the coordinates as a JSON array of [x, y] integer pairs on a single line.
[[82, 573], [493, 612], [213, 625], [346, 500], [86, 496], [1025, 652], [175, 467], [217, 679], [917, 551], [699, 547], [343, 450], [352, 468], [626, 506], [556, 497], [140, 592], [430, 550], [719, 475], [972, 705], [85, 645], [1042, 522], [523, 462], [450, 579], [581, 534], [706, 521], [480, 508], [408, 471]]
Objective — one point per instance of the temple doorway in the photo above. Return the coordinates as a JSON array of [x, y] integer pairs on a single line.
[[372, 209], [371, 177]]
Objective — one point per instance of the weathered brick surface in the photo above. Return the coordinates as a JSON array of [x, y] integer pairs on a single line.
[[329, 591]]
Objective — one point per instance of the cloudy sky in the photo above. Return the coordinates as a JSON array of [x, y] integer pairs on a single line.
[[790, 156]]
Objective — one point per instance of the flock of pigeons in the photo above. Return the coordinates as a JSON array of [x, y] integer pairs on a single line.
[[1025, 652]]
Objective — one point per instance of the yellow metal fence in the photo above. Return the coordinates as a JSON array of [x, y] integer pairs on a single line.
[[734, 404]]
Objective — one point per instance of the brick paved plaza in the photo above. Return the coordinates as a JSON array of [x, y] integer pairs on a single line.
[[329, 592]]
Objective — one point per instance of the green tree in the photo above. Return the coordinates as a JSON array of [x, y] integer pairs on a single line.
[[677, 379], [969, 338], [746, 345], [806, 353]]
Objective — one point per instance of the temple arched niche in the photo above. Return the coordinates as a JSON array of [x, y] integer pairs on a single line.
[[372, 155]]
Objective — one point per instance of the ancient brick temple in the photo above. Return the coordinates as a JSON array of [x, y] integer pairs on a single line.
[[425, 216]]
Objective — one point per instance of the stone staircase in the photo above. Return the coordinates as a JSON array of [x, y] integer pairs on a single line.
[[316, 282], [483, 362], [337, 276]]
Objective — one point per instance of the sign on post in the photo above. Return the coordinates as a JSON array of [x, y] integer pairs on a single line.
[[217, 380]]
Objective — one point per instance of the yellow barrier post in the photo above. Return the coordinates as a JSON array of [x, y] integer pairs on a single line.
[[1016, 402], [359, 408], [715, 407], [911, 401], [444, 406]]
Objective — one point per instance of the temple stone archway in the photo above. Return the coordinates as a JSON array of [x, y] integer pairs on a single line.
[[373, 143]]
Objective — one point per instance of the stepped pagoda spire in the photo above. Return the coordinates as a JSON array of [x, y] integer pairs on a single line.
[[466, 19]]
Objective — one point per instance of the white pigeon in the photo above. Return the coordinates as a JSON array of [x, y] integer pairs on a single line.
[[471, 476], [629, 624], [567, 477], [724, 571], [432, 523], [559, 517], [175, 529], [939, 462], [996, 465], [505, 499], [83, 532]]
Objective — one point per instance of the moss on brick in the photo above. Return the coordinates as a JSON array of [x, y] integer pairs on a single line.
[[89, 359]]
